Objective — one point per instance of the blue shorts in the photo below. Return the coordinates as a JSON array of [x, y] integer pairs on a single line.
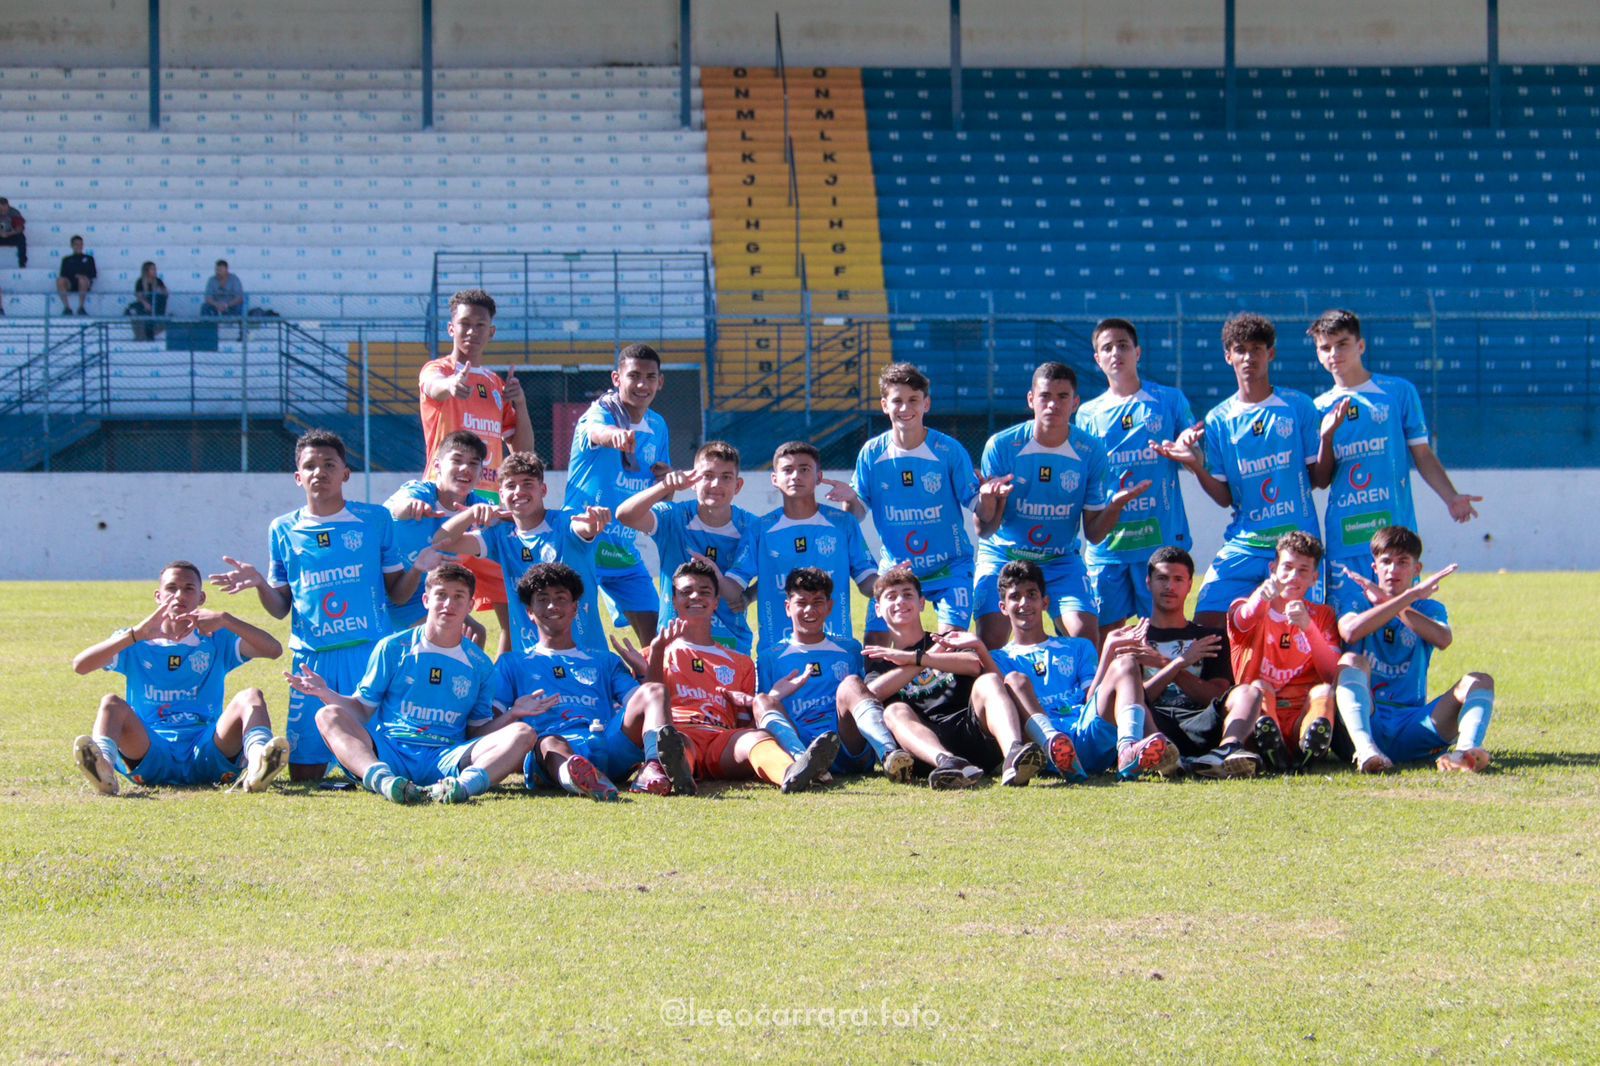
[[623, 577], [421, 764], [950, 594], [612, 753], [1093, 736], [1344, 595], [1066, 587], [1121, 590], [1407, 734], [1234, 574], [343, 669], [184, 757]]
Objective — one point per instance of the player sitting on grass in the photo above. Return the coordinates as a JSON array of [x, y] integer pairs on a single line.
[[945, 703], [1189, 673], [708, 526], [587, 708], [1395, 638], [1285, 653], [711, 692], [420, 725], [335, 564], [168, 731], [801, 532], [420, 508], [810, 686], [1085, 708], [521, 532]]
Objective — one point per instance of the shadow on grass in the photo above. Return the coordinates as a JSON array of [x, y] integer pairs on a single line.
[[1518, 760]]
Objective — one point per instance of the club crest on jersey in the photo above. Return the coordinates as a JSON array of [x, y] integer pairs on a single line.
[[174, 661], [813, 669], [1153, 424], [931, 481], [586, 677], [324, 539], [200, 661], [352, 540], [908, 478], [827, 545], [1284, 427], [724, 674], [1380, 414], [697, 665], [799, 545], [1408, 639], [1070, 480], [495, 395], [839, 671], [1127, 421], [559, 672], [435, 675], [460, 686]]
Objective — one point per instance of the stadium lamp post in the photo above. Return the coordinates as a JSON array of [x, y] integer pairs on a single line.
[[1492, 47], [1230, 65], [955, 65], [427, 64], [685, 61], [155, 65]]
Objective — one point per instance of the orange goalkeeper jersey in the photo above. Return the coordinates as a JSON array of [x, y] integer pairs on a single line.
[[1275, 651], [484, 411], [698, 675]]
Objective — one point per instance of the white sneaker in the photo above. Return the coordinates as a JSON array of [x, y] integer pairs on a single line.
[[95, 766], [264, 763]]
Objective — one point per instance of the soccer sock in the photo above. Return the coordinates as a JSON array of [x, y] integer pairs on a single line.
[[868, 715], [652, 753], [1130, 725], [770, 761], [782, 731], [1354, 697], [377, 776], [256, 737], [108, 748], [475, 779], [1476, 710]]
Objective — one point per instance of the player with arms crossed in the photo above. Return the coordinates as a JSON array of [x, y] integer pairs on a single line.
[[335, 565], [1043, 479], [172, 728], [457, 394], [620, 448], [420, 726], [1379, 432], [1129, 420], [1254, 454], [1383, 688]]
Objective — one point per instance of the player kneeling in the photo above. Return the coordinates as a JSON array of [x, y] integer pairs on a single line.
[[427, 692], [168, 731], [1394, 640], [711, 692], [1085, 708], [811, 687], [589, 711]]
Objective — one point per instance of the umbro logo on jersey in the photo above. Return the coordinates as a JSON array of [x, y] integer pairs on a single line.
[[813, 669], [799, 544], [560, 671], [324, 540], [1127, 420], [1258, 428], [435, 675], [1045, 473], [697, 665], [174, 661], [908, 478], [527, 554]]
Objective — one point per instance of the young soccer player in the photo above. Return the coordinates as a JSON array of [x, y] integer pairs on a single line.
[[419, 509], [1379, 432], [520, 532], [711, 692], [917, 484], [1086, 709], [172, 727], [1129, 419], [1285, 654], [1383, 688], [589, 711], [1044, 480], [336, 565], [457, 393], [1189, 673], [1254, 454], [620, 448], [810, 686], [708, 527], [420, 725], [801, 532], [946, 705]]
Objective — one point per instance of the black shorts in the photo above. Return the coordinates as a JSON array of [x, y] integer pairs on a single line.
[[963, 735], [1195, 731]]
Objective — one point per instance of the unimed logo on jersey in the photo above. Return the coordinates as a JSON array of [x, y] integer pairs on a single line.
[[1127, 420], [435, 675], [907, 478], [697, 665], [1258, 428], [174, 661], [799, 544], [324, 539]]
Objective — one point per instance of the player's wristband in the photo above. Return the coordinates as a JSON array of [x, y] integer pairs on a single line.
[[919, 656]]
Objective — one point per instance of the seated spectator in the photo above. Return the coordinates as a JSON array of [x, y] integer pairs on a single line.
[[224, 293], [149, 303], [11, 226], [77, 275]]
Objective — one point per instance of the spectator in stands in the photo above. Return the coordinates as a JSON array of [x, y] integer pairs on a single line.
[[11, 226], [77, 275], [224, 293], [149, 303]]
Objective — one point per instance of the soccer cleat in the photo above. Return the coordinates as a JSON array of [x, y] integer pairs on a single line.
[[449, 790], [652, 780], [1471, 761], [402, 791], [953, 772], [589, 781], [1316, 742], [897, 766], [1064, 757], [1372, 762], [675, 760], [264, 763], [815, 760], [1023, 761], [1269, 742], [1212, 764], [95, 766], [1240, 762], [1152, 754]]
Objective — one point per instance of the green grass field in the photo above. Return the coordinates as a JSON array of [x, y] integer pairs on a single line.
[[1325, 917]]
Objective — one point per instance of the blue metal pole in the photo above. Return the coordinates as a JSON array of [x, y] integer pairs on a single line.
[[1230, 65], [155, 64], [685, 61], [427, 64], [955, 65], [1494, 62]]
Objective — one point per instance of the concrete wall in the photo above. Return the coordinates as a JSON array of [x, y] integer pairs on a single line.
[[125, 526], [387, 33]]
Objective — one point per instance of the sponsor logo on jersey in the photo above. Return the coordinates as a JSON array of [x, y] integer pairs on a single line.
[[911, 514], [527, 554], [916, 544], [483, 391], [1269, 491], [1359, 478], [418, 712], [799, 545], [435, 675], [908, 478], [1039, 667], [1045, 474], [1354, 412], [1258, 428], [1127, 420], [697, 665], [174, 661], [1038, 536], [559, 672], [1283, 642], [1264, 465], [333, 607], [477, 424], [710, 552], [813, 669], [315, 579], [324, 539]]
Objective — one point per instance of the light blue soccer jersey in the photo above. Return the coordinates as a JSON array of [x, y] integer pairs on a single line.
[[1400, 658], [1372, 449], [679, 531], [597, 477], [413, 535], [551, 541], [1128, 428], [824, 665], [593, 686], [773, 545], [1261, 451], [916, 498], [177, 685], [424, 694], [1061, 670], [333, 567], [1050, 490]]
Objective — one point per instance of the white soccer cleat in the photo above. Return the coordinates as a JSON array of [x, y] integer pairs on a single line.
[[95, 766], [265, 763]]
